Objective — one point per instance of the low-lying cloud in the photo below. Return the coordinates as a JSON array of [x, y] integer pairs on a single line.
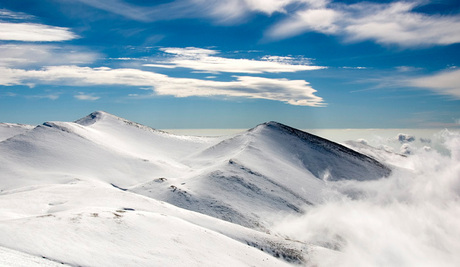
[[408, 219]]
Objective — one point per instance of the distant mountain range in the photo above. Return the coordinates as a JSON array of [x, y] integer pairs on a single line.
[[109, 182]]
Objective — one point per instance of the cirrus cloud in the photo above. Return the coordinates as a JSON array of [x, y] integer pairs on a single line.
[[386, 23], [395, 23], [444, 83], [227, 12]]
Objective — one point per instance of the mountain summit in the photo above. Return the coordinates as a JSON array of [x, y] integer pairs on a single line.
[[323, 158], [94, 117]]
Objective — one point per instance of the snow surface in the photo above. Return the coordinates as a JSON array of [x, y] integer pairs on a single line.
[[104, 191], [8, 130]]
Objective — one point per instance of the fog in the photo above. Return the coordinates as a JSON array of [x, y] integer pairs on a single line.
[[411, 218]]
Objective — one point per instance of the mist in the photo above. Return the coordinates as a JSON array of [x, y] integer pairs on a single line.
[[411, 218]]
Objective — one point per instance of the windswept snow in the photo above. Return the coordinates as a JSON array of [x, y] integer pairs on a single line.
[[87, 223], [14, 258], [147, 197], [8, 130]]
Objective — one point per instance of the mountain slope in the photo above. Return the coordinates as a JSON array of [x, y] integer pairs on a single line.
[[61, 174], [88, 223], [8, 130], [108, 149], [270, 169]]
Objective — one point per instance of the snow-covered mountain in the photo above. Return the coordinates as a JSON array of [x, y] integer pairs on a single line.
[[8, 130], [142, 194]]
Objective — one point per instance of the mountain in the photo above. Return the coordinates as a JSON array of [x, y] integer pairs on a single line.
[[270, 169], [8, 130], [113, 179]]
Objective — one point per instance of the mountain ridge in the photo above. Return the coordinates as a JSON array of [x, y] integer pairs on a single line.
[[268, 169], [108, 177]]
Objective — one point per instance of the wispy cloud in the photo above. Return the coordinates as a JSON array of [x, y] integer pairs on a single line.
[[354, 68], [6, 14], [20, 55], [395, 23], [46, 96], [321, 20], [32, 32], [388, 23], [407, 69], [86, 97], [221, 12], [205, 60], [444, 83], [294, 92]]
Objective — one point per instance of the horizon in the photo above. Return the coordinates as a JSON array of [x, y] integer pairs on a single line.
[[453, 128], [209, 64]]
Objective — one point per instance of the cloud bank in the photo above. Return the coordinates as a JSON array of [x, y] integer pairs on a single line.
[[408, 219]]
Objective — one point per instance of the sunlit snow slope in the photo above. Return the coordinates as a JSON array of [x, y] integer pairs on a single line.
[[104, 180], [8, 130]]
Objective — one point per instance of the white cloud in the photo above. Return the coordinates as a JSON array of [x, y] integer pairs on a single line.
[[387, 23], [31, 32], [43, 55], [189, 51], [319, 20], [407, 219], [48, 96], [10, 15], [407, 69], [204, 60], [395, 23], [445, 83], [87, 97], [294, 92], [222, 12], [355, 68]]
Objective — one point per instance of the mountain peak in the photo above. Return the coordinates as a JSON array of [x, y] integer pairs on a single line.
[[93, 118], [320, 155], [268, 124], [97, 116]]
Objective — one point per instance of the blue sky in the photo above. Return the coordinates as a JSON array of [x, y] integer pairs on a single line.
[[233, 64]]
